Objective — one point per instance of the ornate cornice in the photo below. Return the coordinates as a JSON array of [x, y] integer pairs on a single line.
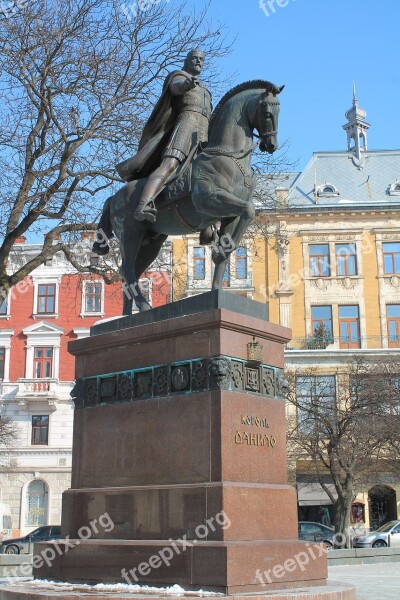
[[187, 377]]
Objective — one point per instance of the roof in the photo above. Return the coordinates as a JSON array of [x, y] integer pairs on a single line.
[[355, 183]]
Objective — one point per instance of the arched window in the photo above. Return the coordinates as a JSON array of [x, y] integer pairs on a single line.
[[36, 504], [327, 190]]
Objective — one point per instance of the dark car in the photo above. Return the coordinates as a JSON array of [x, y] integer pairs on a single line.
[[24, 545], [311, 531]]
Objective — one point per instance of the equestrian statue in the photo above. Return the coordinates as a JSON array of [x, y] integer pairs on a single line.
[[192, 173]]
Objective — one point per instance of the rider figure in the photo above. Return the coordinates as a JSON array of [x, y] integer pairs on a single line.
[[191, 102], [178, 123]]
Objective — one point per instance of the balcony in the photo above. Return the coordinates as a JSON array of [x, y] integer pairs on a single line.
[[337, 343], [29, 391]]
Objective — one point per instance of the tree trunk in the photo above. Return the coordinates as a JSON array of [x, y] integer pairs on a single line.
[[342, 521]]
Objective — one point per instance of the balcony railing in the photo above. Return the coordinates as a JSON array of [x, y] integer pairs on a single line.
[[342, 343], [34, 387]]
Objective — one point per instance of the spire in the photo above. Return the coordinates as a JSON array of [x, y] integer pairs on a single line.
[[356, 128]]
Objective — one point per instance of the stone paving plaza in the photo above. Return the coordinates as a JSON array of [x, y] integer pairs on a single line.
[[373, 582]]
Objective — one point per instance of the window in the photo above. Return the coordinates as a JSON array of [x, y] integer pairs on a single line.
[[42, 362], [346, 261], [241, 262], [93, 294], [40, 430], [316, 401], [36, 504], [2, 361], [319, 260], [393, 325], [349, 327], [391, 258], [199, 263], [145, 288], [321, 317], [3, 306], [46, 298]]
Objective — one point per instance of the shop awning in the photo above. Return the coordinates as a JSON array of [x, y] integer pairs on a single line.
[[312, 494]]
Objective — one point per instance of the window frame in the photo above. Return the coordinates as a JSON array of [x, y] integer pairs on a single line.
[[41, 428], [199, 260], [239, 259], [315, 322], [350, 344], [314, 380], [2, 362], [95, 296], [345, 257], [44, 360], [395, 256], [47, 296], [320, 261], [396, 320], [48, 280]]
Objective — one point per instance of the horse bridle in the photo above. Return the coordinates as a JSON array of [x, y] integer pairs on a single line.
[[268, 115]]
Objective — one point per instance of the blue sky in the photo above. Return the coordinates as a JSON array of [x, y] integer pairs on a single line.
[[317, 48]]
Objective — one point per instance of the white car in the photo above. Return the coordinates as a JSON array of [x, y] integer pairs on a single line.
[[386, 535]]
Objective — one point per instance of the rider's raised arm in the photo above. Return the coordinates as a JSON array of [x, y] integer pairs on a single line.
[[181, 84]]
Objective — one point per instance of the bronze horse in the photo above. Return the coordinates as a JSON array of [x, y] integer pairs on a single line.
[[222, 185]]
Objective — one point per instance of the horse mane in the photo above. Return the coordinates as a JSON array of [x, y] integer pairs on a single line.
[[253, 84]]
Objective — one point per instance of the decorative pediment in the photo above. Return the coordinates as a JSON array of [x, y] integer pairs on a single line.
[[42, 327]]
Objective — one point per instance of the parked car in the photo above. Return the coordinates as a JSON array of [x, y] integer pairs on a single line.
[[316, 532], [24, 545], [5, 521], [386, 535]]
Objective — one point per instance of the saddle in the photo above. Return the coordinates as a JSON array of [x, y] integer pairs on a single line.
[[181, 183]]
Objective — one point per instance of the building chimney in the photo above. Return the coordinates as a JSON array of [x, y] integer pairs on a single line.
[[88, 235], [20, 240]]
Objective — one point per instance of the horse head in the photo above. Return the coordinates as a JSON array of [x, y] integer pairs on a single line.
[[266, 118]]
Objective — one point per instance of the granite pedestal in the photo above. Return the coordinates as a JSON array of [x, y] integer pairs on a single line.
[[179, 455]]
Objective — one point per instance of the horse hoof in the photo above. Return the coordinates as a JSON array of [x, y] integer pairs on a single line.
[[218, 255], [100, 248]]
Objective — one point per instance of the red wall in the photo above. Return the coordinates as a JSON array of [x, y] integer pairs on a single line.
[[69, 309]]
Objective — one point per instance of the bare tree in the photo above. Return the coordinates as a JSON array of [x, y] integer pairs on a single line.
[[8, 438], [346, 426], [78, 79]]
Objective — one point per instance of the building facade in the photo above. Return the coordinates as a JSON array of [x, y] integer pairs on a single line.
[[333, 277], [38, 318]]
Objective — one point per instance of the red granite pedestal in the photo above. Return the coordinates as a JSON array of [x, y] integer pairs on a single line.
[[179, 459]]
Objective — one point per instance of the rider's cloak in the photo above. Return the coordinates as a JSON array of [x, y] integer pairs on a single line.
[[155, 135]]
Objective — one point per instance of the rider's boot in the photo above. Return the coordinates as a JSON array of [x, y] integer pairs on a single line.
[[146, 209]]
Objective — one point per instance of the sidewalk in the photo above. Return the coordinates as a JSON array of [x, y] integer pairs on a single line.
[[373, 582]]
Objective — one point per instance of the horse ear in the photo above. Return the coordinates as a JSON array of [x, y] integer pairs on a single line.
[[280, 89]]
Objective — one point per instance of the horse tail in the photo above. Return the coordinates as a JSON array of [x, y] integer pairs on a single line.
[[105, 224]]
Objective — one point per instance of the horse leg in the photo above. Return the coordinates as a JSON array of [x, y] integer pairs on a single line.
[[227, 229], [146, 256], [131, 241], [148, 253]]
